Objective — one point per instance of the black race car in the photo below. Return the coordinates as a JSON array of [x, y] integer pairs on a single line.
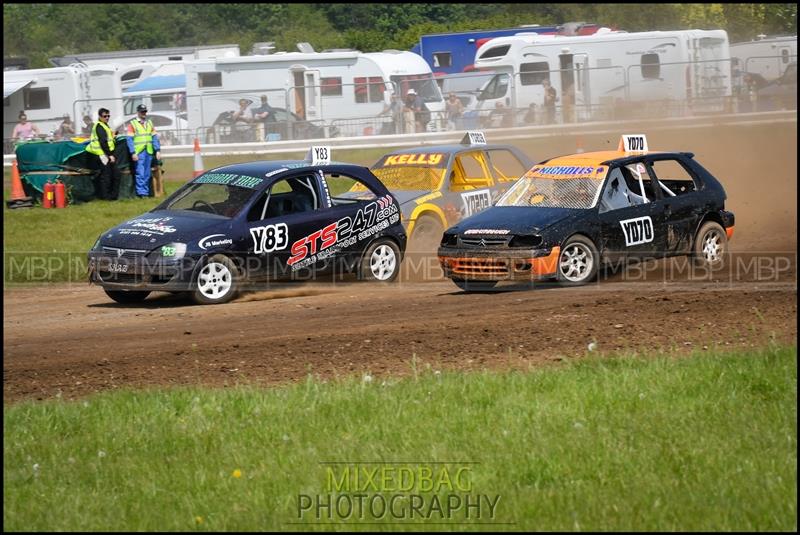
[[568, 215], [251, 222]]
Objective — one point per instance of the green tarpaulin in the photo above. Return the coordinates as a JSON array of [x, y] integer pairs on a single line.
[[43, 161]]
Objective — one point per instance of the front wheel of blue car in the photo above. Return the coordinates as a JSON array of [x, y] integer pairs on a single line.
[[217, 281], [381, 261], [578, 261]]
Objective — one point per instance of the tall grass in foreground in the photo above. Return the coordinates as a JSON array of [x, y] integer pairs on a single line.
[[701, 443]]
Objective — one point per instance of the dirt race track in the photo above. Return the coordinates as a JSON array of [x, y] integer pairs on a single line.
[[70, 340]]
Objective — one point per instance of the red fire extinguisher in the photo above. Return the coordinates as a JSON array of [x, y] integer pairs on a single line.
[[61, 195], [49, 194]]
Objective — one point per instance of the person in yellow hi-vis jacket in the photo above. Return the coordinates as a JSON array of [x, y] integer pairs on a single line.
[[142, 143], [102, 145]]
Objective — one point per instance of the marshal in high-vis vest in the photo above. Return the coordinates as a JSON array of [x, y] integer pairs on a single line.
[[143, 143], [568, 215]]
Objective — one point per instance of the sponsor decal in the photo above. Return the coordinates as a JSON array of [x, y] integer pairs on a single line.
[[148, 227], [486, 231], [270, 238], [637, 231], [414, 159], [476, 201], [563, 170], [214, 240], [321, 244], [242, 181]]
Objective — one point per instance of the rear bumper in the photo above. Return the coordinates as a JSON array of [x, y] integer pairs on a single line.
[[498, 265]]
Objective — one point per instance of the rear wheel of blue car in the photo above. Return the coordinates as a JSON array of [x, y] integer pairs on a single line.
[[126, 296], [578, 261], [381, 261], [217, 281]]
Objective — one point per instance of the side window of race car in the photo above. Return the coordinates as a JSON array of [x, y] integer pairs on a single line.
[[469, 172], [505, 165], [345, 189], [639, 184], [674, 178], [616, 194], [288, 196]]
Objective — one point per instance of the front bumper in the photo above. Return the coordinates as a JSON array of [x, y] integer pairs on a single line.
[[499, 264], [141, 273]]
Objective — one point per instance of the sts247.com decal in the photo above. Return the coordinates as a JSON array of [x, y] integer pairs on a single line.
[[369, 220]]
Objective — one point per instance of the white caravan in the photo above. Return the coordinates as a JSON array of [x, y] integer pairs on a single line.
[[46, 95], [765, 56], [606, 67], [345, 89]]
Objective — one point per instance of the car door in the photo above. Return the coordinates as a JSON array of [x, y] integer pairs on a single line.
[[470, 183], [629, 216], [681, 202], [289, 225]]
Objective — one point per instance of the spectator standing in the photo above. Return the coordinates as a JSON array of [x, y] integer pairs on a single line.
[[550, 98], [530, 115], [65, 129], [454, 110], [415, 104], [242, 118], [87, 126], [264, 113], [142, 142], [102, 144], [395, 109], [24, 130]]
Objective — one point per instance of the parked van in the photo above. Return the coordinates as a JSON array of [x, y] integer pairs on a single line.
[[345, 89], [606, 68], [46, 95], [767, 57]]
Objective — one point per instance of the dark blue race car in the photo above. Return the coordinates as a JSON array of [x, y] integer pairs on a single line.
[[252, 222], [569, 215]]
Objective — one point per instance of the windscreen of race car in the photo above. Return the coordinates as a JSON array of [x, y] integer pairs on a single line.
[[556, 187]]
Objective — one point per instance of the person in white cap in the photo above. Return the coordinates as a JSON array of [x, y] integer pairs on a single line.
[[414, 104]]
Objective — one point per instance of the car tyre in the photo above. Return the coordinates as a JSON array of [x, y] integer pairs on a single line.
[[427, 234], [127, 296], [710, 247], [475, 286], [217, 281], [380, 262], [578, 261]]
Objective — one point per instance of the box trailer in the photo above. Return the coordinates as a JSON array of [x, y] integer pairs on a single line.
[[346, 89]]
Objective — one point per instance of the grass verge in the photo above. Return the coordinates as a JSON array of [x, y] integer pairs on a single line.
[[701, 443]]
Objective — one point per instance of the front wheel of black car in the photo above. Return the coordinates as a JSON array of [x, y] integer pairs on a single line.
[[578, 261], [381, 261], [217, 281], [126, 296], [710, 245], [475, 286]]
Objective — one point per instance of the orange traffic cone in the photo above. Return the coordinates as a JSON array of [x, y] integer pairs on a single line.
[[18, 197], [198, 159]]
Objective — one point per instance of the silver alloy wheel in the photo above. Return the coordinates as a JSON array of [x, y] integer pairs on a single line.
[[712, 246], [576, 262], [383, 262], [215, 280]]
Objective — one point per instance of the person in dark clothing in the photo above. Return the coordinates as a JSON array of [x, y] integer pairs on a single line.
[[102, 144]]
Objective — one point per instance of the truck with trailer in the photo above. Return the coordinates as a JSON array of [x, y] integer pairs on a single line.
[[596, 71]]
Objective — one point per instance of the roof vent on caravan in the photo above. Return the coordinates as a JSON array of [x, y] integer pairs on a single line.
[[305, 48], [263, 48], [570, 28]]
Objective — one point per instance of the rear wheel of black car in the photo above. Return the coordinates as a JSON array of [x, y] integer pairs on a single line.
[[381, 261], [475, 286], [578, 261], [126, 296], [710, 245], [217, 281]]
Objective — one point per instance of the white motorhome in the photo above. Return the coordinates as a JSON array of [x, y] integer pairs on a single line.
[[46, 95], [345, 89], [606, 67], [766, 56]]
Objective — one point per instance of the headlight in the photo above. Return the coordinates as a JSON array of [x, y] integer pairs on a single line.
[[170, 251], [449, 240], [525, 241]]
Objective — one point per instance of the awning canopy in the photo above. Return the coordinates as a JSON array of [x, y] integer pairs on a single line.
[[9, 88], [175, 82]]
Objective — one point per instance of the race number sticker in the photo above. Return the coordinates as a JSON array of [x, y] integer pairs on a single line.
[[637, 231], [270, 238], [319, 155], [476, 201], [476, 138], [633, 143]]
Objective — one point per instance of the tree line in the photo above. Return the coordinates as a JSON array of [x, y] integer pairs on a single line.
[[41, 31]]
